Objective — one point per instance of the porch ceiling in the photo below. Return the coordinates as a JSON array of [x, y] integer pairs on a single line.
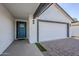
[[21, 10]]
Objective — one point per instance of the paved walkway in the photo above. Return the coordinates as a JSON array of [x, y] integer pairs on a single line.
[[22, 48], [62, 47]]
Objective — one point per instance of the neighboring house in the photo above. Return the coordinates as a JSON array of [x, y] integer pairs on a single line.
[[34, 21], [75, 29]]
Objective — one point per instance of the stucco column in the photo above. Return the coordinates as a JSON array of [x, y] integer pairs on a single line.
[[32, 29]]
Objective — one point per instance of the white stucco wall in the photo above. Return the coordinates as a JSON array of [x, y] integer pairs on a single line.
[[54, 14], [32, 30], [6, 29]]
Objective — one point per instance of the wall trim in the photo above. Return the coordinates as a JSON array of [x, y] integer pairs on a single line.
[[50, 22]]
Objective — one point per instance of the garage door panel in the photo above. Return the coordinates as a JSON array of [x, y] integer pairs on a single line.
[[52, 31]]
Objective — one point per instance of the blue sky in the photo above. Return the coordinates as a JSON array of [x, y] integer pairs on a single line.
[[71, 8]]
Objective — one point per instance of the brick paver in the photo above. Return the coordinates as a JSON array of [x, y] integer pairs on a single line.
[[62, 47]]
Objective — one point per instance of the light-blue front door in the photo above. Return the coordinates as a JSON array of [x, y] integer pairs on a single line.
[[21, 29]]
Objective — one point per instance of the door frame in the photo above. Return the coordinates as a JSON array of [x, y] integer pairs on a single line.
[[20, 20], [39, 20]]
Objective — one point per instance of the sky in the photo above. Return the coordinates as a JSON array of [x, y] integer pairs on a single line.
[[71, 8]]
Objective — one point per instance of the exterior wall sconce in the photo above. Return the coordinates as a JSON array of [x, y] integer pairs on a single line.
[[33, 21]]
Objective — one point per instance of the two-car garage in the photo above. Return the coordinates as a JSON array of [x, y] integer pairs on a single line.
[[51, 30], [52, 23]]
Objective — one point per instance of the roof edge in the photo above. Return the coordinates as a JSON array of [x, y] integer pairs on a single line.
[[41, 8], [65, 12]]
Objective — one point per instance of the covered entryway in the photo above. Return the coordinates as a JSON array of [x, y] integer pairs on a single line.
[[9, 15], [51, 30]]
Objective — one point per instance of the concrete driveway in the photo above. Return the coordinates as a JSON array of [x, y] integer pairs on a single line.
[[62, 47]]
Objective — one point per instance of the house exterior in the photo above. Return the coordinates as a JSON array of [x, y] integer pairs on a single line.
[[75, 29], [35, 22]]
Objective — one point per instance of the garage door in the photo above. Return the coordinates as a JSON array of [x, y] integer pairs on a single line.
[[48, 30]]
